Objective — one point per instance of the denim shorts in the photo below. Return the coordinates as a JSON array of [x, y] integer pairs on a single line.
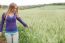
[[12, 37]]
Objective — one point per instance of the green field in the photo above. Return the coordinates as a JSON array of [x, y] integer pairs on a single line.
[[46, 24]]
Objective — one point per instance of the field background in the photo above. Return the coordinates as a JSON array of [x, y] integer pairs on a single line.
[[46, 24]]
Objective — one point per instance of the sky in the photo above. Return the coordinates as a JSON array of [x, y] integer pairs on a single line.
[[30, 2]]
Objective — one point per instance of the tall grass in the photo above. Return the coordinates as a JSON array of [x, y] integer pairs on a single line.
[[46, 25]]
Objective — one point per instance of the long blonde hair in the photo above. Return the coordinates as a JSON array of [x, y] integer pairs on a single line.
[[11, 7]]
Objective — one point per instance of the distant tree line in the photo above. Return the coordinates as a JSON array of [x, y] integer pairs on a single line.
[[57, 4], [32, 6], [24, 7]]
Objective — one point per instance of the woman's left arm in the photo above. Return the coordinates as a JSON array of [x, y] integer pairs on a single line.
[[20, 20]]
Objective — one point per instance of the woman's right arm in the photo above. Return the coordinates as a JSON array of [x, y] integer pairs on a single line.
[[2, 23]]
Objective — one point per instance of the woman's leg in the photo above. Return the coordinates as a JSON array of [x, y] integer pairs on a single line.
[[16, 37], [8, 37]]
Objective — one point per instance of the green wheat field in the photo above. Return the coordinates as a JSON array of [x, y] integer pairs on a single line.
[[46, 24]]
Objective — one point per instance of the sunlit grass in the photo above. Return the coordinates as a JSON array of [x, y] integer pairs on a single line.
[[46, 25]]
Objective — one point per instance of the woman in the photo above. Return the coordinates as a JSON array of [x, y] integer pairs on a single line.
[[10, 17]]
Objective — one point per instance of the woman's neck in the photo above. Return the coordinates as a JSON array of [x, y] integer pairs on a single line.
[[10, 14]]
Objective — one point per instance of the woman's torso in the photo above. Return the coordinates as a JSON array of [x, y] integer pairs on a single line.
[[11, 23]]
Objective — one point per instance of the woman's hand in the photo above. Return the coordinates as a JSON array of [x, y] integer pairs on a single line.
[[0, 33], [25, 27]]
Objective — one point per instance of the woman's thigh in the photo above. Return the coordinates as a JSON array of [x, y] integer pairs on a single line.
[[16, 37], [8, 38], [12, 37]]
